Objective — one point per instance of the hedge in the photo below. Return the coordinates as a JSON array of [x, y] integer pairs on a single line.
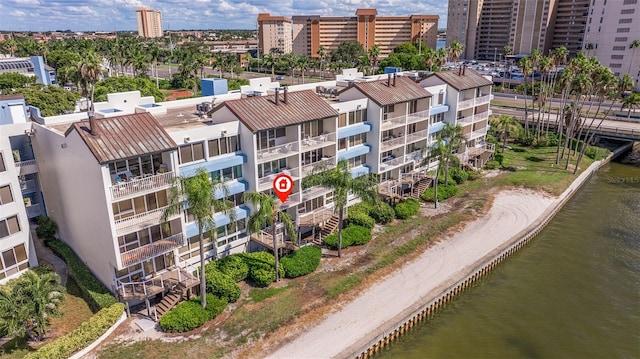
[[233, 266], [360, 219], [459, 175], [352, 235], [221, 285], [301, 262], [47, 228], [190, 315], [407, 208], [94, 293], [261, 267], [85, 334], [444, 192], [381, 212]]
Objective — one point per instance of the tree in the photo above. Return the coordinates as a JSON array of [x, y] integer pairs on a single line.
[[588, 47], [373, 54], [30, 303], [122, 84], [455, 50], [507, 50], [527, 69], [348, 52], [631, 102], [12, 80], [504, 124], [322, 52], [406, 48], [197, 195], [270, 61], [633, 46], [89, 70], [303, 65], [452, 136], [341, 181], [267, 214], [439, 152], [51, 100]]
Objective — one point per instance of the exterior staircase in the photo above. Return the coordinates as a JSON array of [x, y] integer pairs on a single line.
[[173, 297], [329, 227], [420, 187]]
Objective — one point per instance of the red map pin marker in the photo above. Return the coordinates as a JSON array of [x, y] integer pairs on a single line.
[[283, 186]]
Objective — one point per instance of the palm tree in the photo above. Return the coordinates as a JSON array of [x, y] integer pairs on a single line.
[[372, 55], [441, 57], [303, 65], [341, 181], [544, 67], [452, 136], [197, 194], [526, 66], [218, 63], [270, 61], [504, 124], [267, 214], [634, 45], [89, 71], [631, 102], [455, 50], [439, 151], [322, 52], [588, 47], [430, 58]]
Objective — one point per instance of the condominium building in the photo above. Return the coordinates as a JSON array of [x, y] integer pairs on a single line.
[[611, 28], [20, 197], [486, 26], [109, 179], [310, 32], [274, 33], [149, 22]]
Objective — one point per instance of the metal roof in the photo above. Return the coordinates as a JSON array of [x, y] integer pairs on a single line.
[[123, 137], [387, 92], [470, 79], [262, 113]]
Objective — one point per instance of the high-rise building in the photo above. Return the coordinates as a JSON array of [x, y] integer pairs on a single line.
[[485, 27], [611, 28], [310, 32], [149, 22], [274, 33]]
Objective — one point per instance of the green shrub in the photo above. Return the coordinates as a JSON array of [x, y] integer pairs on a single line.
[[459, 175], [85, 334], [444, 192], [592, 152], [498, 157], [360, 219], [94, 293], [352, 235], [233, 266], [552, 139], [473, 175], [407, 208], [383, 213], [221, 285], [261, 267], [190, 315], [301, 262], [491, 165], [47, 228]]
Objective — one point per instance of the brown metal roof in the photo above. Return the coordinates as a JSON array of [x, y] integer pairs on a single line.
[[11, 97], [261, 112], [470, 79], [124, 137], [384, 93]]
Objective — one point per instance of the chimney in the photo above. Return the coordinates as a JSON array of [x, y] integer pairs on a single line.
[[463, 67], [388, 80], [286, 96], [277, 96], [459, 71], [93, 128], [394, 80]]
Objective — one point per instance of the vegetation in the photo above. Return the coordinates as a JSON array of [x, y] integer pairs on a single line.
[[407, 208], [352, 235], [47, 228], [221, 285], [381, 212], [444, 192], [448, 141], [123, 84], [96, 295], [301, 262], [262, 268], [190, 315], [360, 218], [50, 99], [233, 266], [10, 81], [81, 337]]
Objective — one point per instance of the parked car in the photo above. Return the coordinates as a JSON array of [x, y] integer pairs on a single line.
[[279, 77]]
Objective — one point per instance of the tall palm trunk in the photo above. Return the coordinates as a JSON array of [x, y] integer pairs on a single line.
[[203, 284], [435, 188], [526, 110], [276, 253], [340, 220]]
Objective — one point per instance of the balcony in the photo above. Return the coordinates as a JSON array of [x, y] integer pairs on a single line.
[[28, 186], [465, 120], [390, 162], [275, 152], [394, 122], [482, 100], [312, 143], [390, 142], [141, 220], [462, 105], [138, 185], [151, 250], [317, 216], [34, 210], [481, 116], [417, 136], [474, 134], [158, 284], [292, 200], [418, 116], [325, 163], [266, 182], [26, 167], [415, 156]]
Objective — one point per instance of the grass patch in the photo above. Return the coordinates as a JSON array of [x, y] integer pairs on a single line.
[[343, 284], [260, 294]]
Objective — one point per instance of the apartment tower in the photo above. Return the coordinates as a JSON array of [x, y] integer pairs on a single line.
[[310, 32], [149, 22], [274, 33]]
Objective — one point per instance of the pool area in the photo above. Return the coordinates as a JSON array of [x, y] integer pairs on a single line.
[[110, 110], [150, 105]]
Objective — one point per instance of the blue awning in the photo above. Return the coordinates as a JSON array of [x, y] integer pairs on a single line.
[[352, 130], [360, 171], [436, 127], [220, 219], [356, 151], [438, 109], [234, 187], [214, 164]]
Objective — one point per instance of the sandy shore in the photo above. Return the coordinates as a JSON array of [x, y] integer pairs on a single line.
[[418, 281]]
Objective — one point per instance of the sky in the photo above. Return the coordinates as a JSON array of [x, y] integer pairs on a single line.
[[119, 15]]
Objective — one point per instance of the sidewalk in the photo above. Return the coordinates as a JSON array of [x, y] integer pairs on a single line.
[[45, 254]]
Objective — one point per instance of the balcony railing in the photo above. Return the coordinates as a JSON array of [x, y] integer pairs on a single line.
[[466, 120], [465, 104], [481, 116], [151, 250], [292, 200], [317, 216], [319, 166], [413, 156], [318, 141], [314, 192], [482, 100], [275, 152], [392, 142], [267, 181], [33, 210], [25, 163], [394, 122], [417, 136], [28, 186], [477, 101], [158, 284], [385, 164], [474, 134], [141, 184], [141, 220], [418, 116]]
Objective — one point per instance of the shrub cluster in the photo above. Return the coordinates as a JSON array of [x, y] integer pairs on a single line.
[[190, 315], [301, 262], [233, 266], [360, 218], [473, 175], [221, 285], [407, 208], [47, 228], [85, 334], [381, 213], [94, 293], [444, 192], [491, 165], [261, 267], [459, 175], [352, 235]]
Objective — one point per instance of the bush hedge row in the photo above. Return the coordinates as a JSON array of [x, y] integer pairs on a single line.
[[190, 315], [261, 267], [407, 208], [85, 334], [359, 218], [94, 293], [301, 262], [221, 285], [352, 235], [381, 212], [233, 266], [444, 192]]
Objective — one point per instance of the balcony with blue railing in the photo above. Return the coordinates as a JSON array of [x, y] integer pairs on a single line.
[[352, 130], [437, 109], [216, 163], [354, 151]]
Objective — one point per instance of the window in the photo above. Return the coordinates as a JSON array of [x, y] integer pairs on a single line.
[[266, 169], [627, 11], [623, 29], [621, 39], [148, 164], [619, 48], [624, 21], [312, 129], [2, 167], [630, 2], [221, 146], [267, 139], [615, 66], [9, 226], [413, 106], [357, 161], [617, 57], [351, 118], [227, 174], [13, 260], [5, 195], [387, 112], [192, 152]]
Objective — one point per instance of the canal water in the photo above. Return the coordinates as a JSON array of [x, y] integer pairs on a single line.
[[573, 292]]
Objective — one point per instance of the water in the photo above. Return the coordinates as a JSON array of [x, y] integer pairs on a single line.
[[441, 44], [573, 292]]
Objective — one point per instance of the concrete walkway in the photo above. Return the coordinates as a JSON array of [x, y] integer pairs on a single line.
[[45, 254]]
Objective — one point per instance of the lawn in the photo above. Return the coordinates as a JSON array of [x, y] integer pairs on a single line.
[[258, 317]]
